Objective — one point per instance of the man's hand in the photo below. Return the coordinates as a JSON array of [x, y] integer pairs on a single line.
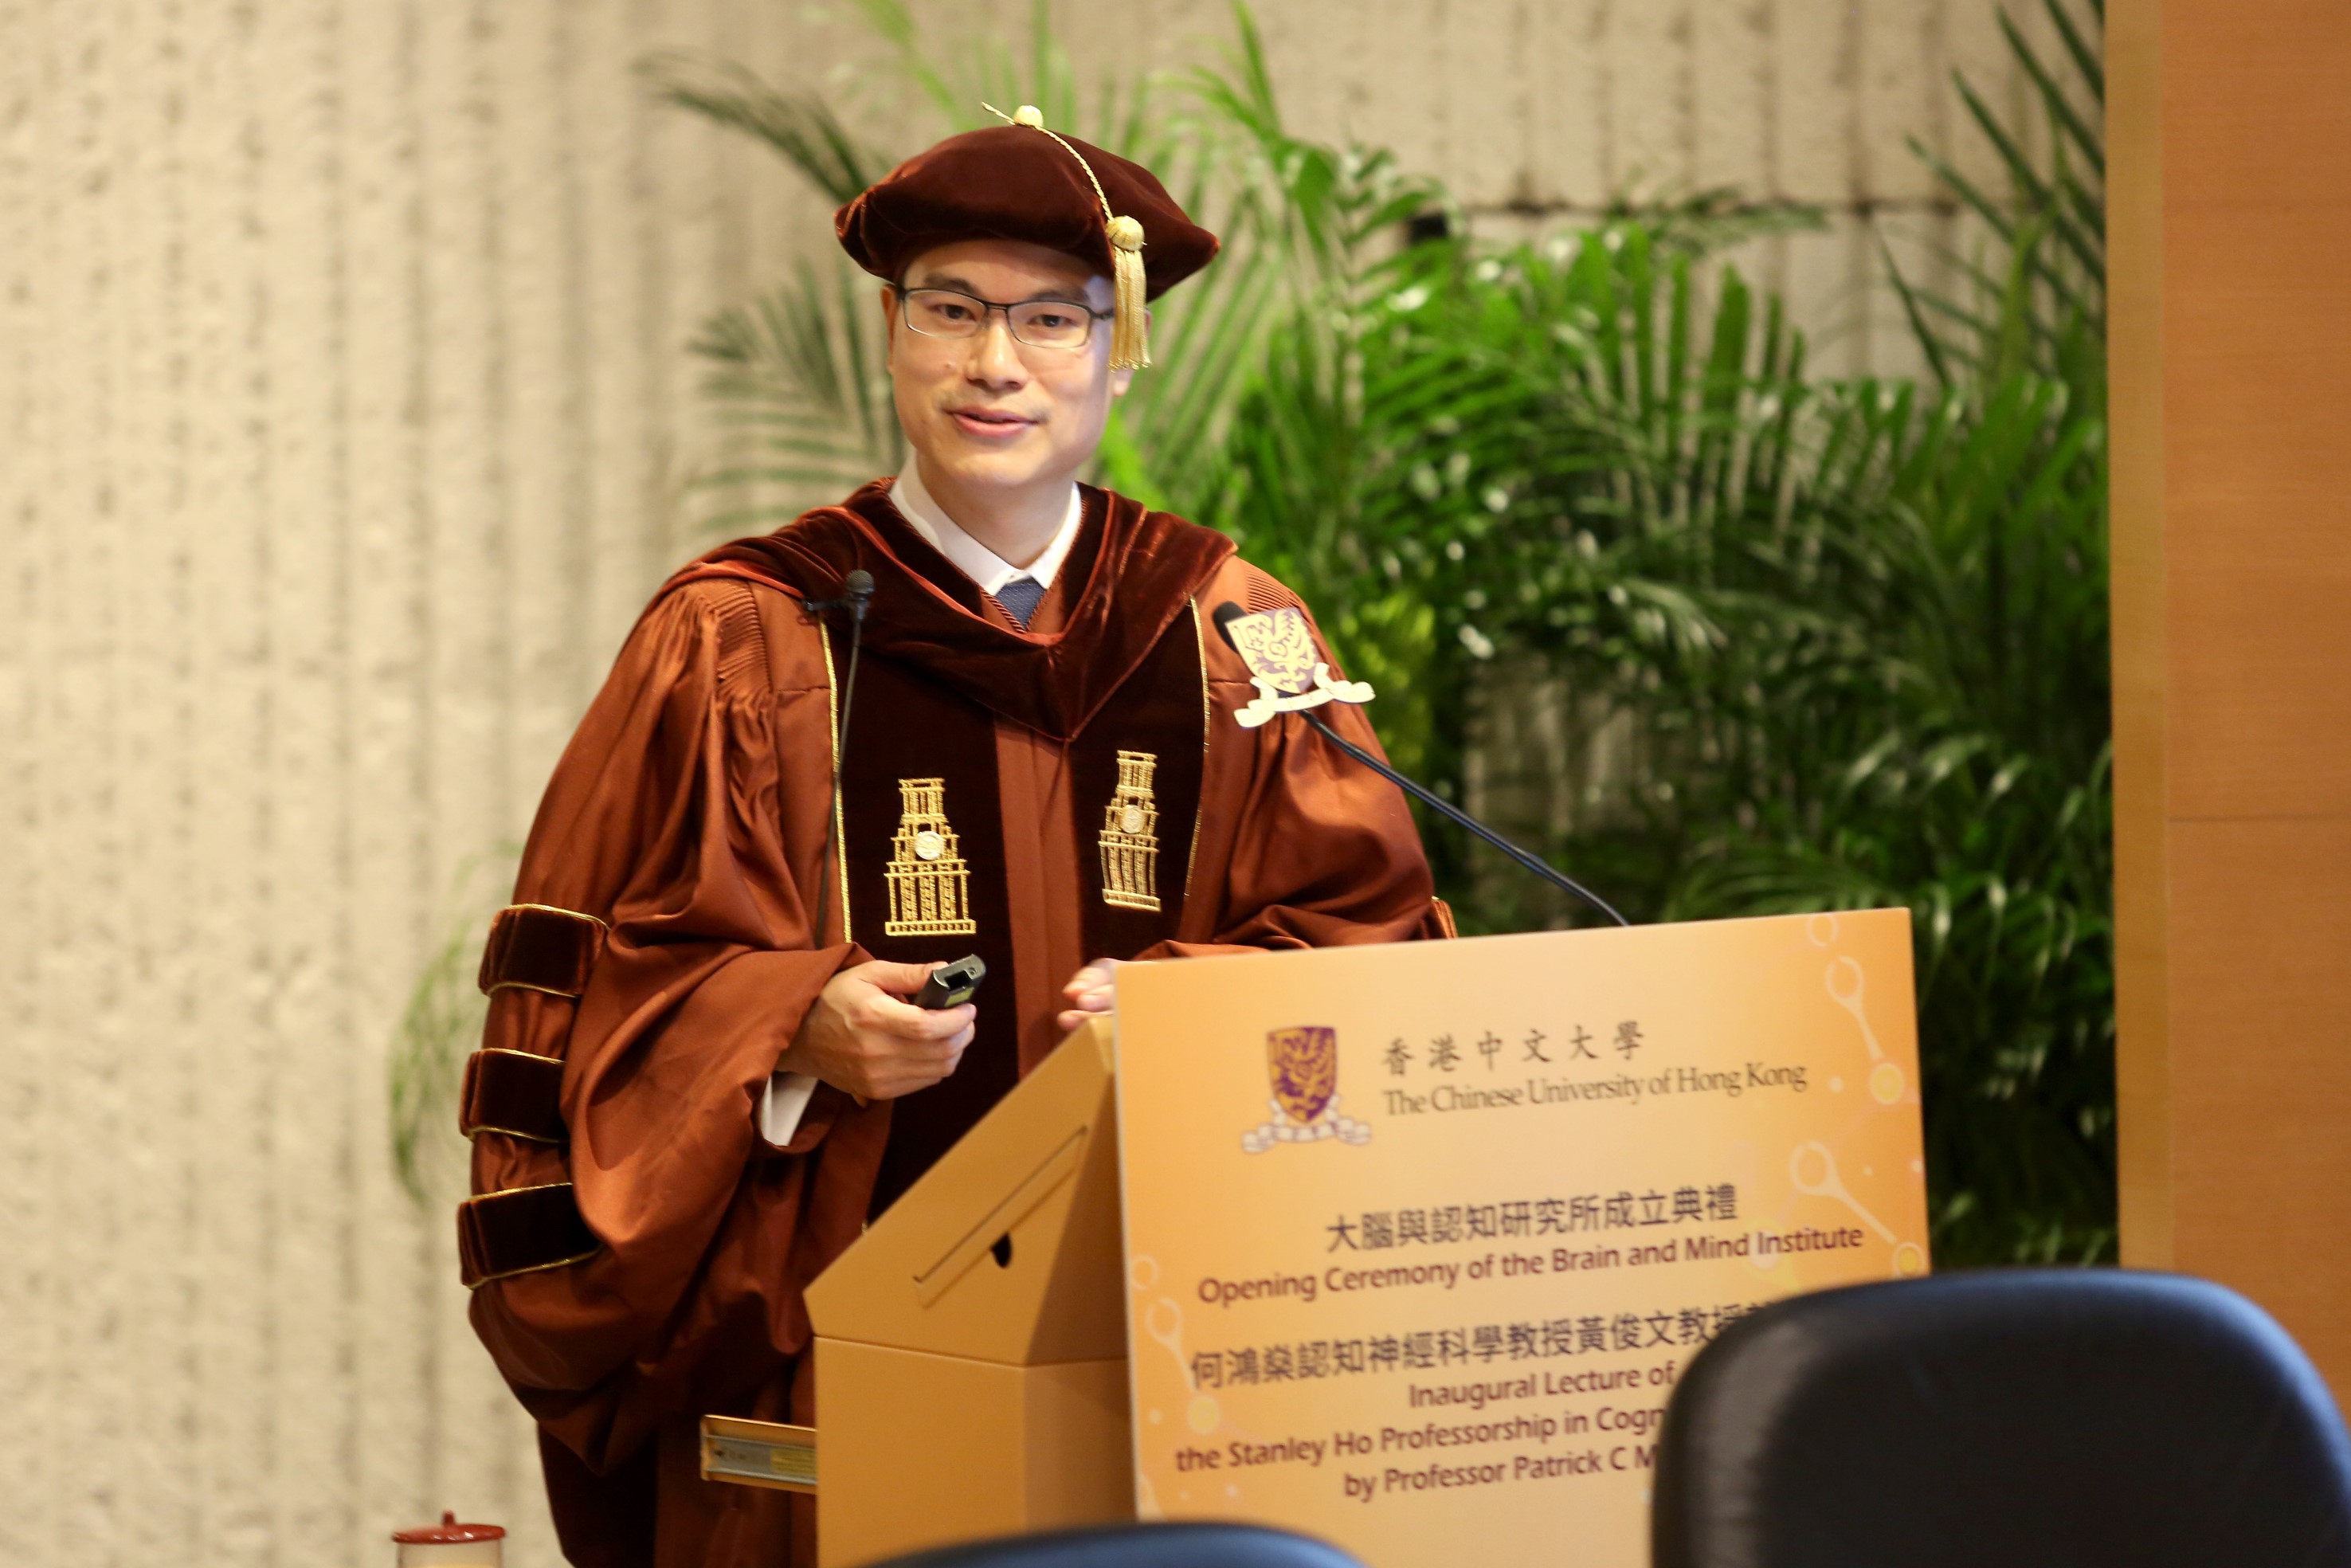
[[1089, 992], [862, 1038]]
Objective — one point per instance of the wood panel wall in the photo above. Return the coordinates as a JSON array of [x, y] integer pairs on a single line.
[[2232, 192], [344, 424]]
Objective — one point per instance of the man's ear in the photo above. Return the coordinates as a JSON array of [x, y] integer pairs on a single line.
[[889, 322]]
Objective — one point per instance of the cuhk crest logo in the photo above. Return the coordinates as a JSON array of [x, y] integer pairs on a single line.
[[1277, 646], [1302, 1066]]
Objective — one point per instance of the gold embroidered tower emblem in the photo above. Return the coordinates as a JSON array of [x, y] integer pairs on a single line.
[[1130, 837], [930, 886]]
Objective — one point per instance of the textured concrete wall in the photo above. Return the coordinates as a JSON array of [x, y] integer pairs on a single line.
[[343, 422]]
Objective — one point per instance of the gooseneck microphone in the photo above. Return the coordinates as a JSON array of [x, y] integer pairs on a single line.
[[1228, 612], [856, 593]]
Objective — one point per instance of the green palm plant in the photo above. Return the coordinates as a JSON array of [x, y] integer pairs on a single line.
[[1856, 630], [1856, 633], [2036, 293]]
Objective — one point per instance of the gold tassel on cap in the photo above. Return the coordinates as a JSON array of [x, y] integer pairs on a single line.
[[1129, 346]]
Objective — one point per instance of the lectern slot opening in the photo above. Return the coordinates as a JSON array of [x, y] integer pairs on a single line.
[[995, 1227]]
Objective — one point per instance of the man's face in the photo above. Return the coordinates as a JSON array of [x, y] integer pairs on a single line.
[[990, 412]]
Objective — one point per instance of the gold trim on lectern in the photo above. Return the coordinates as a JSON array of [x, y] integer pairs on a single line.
[[758, 1453]]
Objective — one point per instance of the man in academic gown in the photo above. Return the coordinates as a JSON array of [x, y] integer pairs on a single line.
[[701, 1074]]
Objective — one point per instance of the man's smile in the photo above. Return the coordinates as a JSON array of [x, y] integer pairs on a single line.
[[990, 424]]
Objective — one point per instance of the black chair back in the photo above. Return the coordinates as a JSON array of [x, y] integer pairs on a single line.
[[2028, 1418], [1139, 1546]]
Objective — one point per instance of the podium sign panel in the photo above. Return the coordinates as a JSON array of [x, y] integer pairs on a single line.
[[1418, 1237]]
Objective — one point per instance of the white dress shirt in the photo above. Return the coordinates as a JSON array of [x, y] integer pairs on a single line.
[[973, 559], [786, 1097]]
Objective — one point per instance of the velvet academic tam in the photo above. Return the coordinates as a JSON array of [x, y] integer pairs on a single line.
[[1010, 181]]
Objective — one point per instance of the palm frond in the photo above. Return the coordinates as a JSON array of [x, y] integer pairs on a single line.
[[801, 127], [798, 372], [438, 1026]]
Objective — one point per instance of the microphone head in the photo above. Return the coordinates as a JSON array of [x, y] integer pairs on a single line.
[[1224, 615], [857, 585]]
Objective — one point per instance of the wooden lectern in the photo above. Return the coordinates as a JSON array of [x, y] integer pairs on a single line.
[[971, 1346], [1344, 1178]]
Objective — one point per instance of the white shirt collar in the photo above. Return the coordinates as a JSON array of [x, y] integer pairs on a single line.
[[973, 559]]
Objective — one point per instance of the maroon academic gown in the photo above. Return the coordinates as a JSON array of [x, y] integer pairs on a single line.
[[638, 1251]]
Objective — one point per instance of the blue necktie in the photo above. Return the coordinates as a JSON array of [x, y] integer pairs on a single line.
[[1019, 598]]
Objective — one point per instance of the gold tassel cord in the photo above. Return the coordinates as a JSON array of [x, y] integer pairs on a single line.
[[1130, 349], [1129, 345]]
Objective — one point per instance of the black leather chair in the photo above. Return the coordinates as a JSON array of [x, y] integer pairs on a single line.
[[1139, 1546], [2027, 1419]]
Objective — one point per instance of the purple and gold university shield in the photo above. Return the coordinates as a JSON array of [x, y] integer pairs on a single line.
[[1278, 648], [1303, 1064]]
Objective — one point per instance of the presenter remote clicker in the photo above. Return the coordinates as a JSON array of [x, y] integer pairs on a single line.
[[953, 985]]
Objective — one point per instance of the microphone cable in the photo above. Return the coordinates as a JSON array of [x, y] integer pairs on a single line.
[[1227, 612], [1541, 868]]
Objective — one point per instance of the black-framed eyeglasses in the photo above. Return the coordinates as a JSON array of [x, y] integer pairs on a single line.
[[1039, 323]]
